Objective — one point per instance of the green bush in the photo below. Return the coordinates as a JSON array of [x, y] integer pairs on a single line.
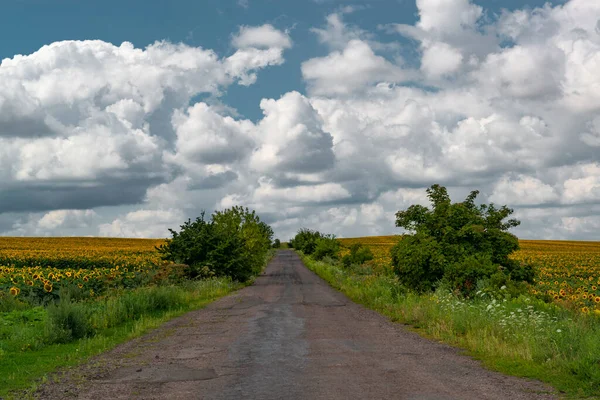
[[277, 244], [233, 243], [306, 241], [418, 261], [326, 246], [457, 243], [67, 321], [359, 254]]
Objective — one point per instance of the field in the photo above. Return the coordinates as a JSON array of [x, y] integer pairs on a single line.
[[567, 271], [36, 267], [65, 299]]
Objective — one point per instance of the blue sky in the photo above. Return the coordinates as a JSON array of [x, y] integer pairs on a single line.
[[325, 114], [30, 24]]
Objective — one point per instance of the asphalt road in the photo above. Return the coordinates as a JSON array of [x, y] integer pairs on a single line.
[[288, 336]]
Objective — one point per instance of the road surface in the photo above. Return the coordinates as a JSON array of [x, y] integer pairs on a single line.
[[288, 336]]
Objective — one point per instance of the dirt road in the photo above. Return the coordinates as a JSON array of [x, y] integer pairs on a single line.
[[289, 336]]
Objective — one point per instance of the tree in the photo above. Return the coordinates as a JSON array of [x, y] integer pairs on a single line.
[[306, 240], [359, 254], [458, 243], [234, 243]]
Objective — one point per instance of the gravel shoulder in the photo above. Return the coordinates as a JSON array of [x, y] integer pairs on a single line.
[[287, 336]]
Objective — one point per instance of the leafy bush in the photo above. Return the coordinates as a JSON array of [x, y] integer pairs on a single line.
[[326, 246], [67, 321], [458, 243], [277, 244], [234, 243], [359, 254], [305, 241]]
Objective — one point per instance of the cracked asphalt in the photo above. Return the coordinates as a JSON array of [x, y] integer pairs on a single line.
[[288, 336]]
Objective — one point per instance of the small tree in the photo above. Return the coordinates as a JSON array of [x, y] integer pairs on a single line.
[[234, 243], [306, 240], [459, 243], [359, 254], [326, 246]]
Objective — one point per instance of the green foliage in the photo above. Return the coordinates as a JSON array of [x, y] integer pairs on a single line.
[[305, 240], [233, 243], [359, 254], [27, 332], [512, 333], [459, 243], [67, 321], [277, 244], [418, 261], [326, 246]]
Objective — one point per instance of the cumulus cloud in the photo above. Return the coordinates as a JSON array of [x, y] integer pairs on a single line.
[[507, 104], [261, 36], [85, 124], [344, 72]]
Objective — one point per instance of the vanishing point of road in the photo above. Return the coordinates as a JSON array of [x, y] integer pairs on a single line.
[[288, 336]]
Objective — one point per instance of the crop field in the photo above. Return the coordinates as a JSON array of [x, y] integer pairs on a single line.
[[566, 271], [37, 266]]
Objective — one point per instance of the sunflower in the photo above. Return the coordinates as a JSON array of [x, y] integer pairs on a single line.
[[29, 283], [15, 291], [597, 299], [48, 287], [81, 286], [585, 310]]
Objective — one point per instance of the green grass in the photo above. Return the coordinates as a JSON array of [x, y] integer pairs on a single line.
[[35, 341], [523, 337]]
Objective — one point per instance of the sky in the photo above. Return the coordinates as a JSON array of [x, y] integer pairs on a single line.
[[127, 118]]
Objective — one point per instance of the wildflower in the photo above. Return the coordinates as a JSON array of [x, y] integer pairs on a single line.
[[48, 287], [558, 331], [15, 291]]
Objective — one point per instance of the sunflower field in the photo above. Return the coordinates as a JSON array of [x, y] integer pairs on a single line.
[[39, 267], [567, 272]]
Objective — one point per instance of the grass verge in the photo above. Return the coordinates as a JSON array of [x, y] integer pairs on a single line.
[[35, 341], [522, 337]]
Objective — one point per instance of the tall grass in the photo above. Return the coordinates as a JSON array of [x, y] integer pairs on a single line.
[[34, 340], [520, 336]]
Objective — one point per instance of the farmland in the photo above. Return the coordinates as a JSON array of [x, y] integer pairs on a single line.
[[38, 266], [567, 272]]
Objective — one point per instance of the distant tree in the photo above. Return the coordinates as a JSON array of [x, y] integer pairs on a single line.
[[456, 243], [306, 240], [359, 254]]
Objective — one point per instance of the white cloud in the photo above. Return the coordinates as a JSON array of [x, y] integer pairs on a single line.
[[511, 108], [265, 36], [291, 138], [440, 59], [448, 16], [143, 224], [343, 72], [524, 190]]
